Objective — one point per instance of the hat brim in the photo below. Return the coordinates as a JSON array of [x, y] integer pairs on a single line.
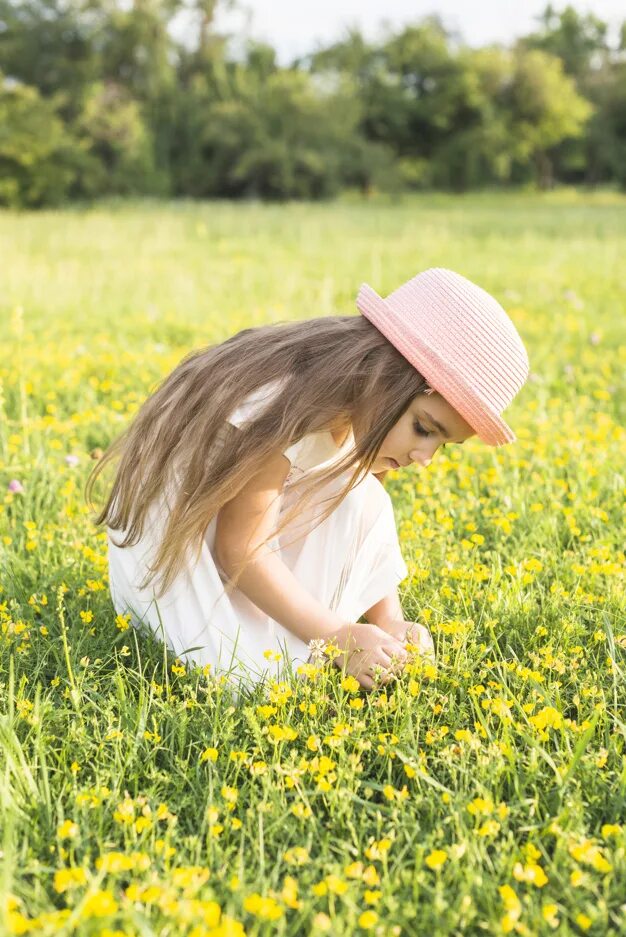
[[488, 426]]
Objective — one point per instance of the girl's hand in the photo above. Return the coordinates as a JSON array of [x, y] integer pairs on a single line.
[[369, 653], [413, 633]]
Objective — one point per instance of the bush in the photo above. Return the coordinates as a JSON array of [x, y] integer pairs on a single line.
[[38, 158]]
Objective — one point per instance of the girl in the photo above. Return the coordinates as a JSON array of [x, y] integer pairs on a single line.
[[247, 523]]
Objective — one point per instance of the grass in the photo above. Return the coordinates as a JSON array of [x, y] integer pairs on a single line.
[[483, 795]]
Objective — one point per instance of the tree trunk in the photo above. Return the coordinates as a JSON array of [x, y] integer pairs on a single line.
[[545, 175]]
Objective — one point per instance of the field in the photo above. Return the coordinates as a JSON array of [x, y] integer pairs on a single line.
[[485, 794]]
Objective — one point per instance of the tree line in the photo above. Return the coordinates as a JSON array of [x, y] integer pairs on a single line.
[[98, 97]]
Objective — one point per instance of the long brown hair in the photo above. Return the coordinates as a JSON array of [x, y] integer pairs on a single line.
[[337, 370]]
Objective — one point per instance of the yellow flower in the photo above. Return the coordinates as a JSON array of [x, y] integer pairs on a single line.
[[548, 716], [336, 885], [513, 908], [480, 805], [368, 919], [125, 812], [463, 735], [372, 897], [289, 893], [377, 849], [297, 855], [532, 565], [280, 733], [68, 878], [190, 876], [230, 795], [146, 894], [115, 862], [350, 684], [142, 823], [209, 754], [549, 912], [67, 830], [266, 909], [490, 828], [100, 904], [436, 859], [302, 811], [122, 622], [589, 853], [531, 873], [371, 876]]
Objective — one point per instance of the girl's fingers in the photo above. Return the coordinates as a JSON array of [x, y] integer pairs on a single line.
[[392, 651], [395, 661], [382, 662], [381, 673]]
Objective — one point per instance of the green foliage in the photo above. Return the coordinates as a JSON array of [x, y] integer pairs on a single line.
[[276, 135], [37, 160], [117, 143], [145, 112], [545, 109]]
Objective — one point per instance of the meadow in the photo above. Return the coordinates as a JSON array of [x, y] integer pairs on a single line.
[[482, 794]]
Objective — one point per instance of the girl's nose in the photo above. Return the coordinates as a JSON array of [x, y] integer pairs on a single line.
[[423, 456]]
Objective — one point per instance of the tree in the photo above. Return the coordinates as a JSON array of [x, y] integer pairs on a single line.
[[579, 40], [545, 109], [257, 130], [606, 138], [38, 161], [50, 45], [117, 143]]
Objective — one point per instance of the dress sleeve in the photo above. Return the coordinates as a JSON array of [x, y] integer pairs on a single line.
[[253, 404]]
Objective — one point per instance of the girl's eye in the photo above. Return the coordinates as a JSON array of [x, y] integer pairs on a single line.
[[420, 430]]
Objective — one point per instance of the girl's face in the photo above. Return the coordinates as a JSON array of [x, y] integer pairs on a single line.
[[428, 423]]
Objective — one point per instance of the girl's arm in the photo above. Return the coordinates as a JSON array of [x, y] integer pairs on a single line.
[[388, 609], [388, 616], [245, 522]]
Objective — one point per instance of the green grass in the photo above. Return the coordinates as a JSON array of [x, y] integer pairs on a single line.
[[481, 796]]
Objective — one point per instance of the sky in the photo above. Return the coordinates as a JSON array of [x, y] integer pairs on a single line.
[[295, 27]]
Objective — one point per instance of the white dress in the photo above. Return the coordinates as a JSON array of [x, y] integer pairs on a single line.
[[348, 562]]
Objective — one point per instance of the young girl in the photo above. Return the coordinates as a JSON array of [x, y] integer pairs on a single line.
[[247, 522]]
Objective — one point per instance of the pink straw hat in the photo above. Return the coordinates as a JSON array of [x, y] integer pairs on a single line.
[[460, 339]]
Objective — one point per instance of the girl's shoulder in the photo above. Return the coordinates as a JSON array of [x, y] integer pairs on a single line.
[[309, 452]]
